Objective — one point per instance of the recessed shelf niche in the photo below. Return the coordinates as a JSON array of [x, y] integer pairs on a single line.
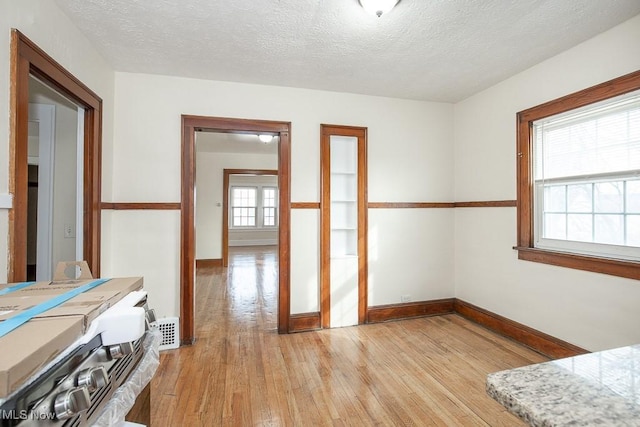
[[343, 217]]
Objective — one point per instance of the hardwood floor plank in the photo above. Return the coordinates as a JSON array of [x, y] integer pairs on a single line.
[[427, 371]]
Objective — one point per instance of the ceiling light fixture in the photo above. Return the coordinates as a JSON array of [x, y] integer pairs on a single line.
[[378, 7], [265, 138]]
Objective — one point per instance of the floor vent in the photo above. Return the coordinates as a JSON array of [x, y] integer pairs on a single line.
[[170, 329]]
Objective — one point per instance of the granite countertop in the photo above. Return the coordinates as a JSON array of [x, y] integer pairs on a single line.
[[596, 389]]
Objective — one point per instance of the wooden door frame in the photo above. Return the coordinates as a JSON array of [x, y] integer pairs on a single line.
[[191, 124], [325, 220], [28, 59], [225, 204]]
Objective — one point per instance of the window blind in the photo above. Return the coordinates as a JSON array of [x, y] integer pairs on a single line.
[[602, 138]]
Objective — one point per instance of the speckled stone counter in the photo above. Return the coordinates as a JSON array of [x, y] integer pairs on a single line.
[[596, 389]]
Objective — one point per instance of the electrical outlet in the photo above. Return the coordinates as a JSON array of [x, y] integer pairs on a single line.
[[69, 231], [405, 298]]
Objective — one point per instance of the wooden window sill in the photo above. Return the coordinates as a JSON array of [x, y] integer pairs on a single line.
[[611, 266]]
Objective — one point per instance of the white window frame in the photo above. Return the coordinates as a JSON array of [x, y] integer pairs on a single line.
[[275, 206], [619, 251], [259, 208], [232, 224], [583, 247]]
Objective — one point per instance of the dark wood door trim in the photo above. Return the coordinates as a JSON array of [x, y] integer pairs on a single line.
[[191, 124], [487, 204], [140, 206], [325, 220], [410, 205], [225, 204], [28, 59], [305, 205]]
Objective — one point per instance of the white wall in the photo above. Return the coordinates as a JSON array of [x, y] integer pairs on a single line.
[[49, 28], [410, 253], [591, 310], [410, 159], [209, 176]]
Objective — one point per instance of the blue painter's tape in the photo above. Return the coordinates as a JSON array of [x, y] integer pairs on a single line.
[[15, 287], [23, 317]]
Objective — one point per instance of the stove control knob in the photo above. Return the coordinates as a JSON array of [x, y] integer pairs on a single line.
[[119, 351], [71, 402], [93, 378]]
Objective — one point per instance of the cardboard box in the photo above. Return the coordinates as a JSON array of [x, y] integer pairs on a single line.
[[27, 349], [120, 285], [88, 305]]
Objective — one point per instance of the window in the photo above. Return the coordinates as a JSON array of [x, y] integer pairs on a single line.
[[579, 179], [587, 179], [269, 206], [243, 206], [254, 206]]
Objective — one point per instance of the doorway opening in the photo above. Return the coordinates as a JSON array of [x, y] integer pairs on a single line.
[[238, 127], [249, 209], [30, 65], [55, 174]]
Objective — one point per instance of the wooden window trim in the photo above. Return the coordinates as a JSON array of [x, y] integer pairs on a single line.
[[29, 59], [524, 162]]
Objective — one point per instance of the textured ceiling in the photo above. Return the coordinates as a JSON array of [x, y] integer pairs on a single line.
[[437, 50]]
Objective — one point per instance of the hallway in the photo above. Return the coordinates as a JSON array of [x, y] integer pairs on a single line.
[[426, 371]]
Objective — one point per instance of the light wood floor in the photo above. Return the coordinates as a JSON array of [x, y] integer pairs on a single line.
[[240, 372]]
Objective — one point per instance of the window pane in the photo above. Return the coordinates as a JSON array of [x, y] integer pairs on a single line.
[[608, 197], [633, 230], [609, 229], [633, 196], [237, 217], [579, 198], [269, 197], [555, 226], [244, 197], [269, 216], [555, 198], [243, 217], [580, 227]]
